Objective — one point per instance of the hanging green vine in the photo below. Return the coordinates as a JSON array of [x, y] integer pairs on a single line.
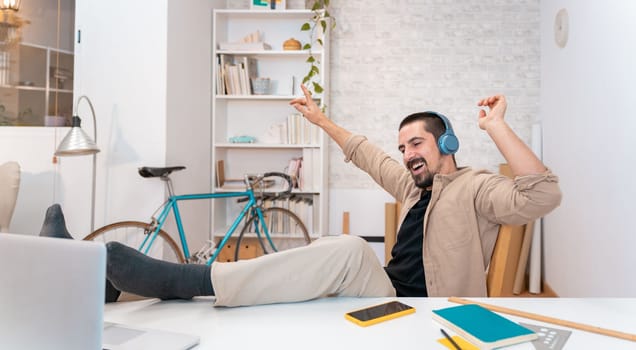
[[319, 20]]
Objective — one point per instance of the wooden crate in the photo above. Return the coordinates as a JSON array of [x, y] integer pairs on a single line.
[[250, 248]]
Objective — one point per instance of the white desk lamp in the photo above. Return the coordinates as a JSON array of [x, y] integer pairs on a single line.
[[77, 143]]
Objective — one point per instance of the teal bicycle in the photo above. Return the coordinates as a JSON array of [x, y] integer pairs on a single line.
[[275, 228]]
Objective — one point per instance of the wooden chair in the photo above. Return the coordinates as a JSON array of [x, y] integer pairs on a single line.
[[507, 257], [506, 272], [505, 275]]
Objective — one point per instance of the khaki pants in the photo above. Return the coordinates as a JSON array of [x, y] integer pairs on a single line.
[[330, 266]]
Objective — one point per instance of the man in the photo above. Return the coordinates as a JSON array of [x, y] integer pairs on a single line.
[[449, 224]]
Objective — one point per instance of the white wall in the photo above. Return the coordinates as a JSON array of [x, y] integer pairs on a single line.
[[587, 107], [121, 65], [391, 61], [189, 92]]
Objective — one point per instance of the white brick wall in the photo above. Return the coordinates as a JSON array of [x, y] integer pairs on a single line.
[[390, 59]]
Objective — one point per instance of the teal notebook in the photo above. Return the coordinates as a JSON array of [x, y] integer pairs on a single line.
[[483, 327]]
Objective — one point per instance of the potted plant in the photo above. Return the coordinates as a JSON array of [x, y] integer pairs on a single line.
[[316, 26]]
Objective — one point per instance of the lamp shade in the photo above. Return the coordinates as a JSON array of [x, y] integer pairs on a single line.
[[76, 142], [10, 5]]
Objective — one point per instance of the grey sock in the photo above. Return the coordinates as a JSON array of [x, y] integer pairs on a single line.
[[54, 224], [131, 271]]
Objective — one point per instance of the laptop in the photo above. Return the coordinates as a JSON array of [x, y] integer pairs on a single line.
[[51, 293], [52, 297], [126, 337]]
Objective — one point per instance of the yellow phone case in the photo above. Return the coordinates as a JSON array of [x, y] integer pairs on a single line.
[[365, 323]]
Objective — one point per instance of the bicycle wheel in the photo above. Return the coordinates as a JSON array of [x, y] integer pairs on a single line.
[[132, 234], [285, 228]]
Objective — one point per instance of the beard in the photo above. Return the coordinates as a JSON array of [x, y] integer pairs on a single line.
[[423, 180]]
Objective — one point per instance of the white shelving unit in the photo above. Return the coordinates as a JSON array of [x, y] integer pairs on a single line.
[[39, 83], [263, 116]]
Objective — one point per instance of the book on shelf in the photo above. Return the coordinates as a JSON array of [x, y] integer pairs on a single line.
[[305, 176], [220, 85], [235, 85], [301, 131], [224, 62], [293, 170], [300, 205], [235, 74], [310, 211], [248, 71], [310, 170], [277, 222], [306, 212], [292, 120], [482, 327], [294, 130], [304, 170]]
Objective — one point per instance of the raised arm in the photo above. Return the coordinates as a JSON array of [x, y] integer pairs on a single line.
[[310, 110], [518, 155]]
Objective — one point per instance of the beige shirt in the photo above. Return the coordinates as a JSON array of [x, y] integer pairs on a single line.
[[463, 217]]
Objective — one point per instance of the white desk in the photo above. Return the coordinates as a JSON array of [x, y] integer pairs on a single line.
[[320, 324]]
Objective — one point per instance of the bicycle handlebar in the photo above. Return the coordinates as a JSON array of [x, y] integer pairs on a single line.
[[253, 179], [282, 175]]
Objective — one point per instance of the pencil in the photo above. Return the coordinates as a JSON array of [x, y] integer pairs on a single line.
[[450, 339]]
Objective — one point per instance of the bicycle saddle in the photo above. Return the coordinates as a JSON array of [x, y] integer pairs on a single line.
[[145, 171]]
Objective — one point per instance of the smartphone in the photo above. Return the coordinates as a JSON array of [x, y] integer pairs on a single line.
[[378, 313]]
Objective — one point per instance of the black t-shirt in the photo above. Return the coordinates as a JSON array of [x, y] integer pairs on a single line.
[[406, 267]]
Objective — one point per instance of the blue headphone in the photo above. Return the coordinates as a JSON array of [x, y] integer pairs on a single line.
[[447, 142]]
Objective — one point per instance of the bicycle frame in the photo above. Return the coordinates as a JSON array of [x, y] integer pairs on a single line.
[[172, 205]]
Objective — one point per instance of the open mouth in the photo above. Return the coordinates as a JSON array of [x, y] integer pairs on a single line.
[[416, 164]]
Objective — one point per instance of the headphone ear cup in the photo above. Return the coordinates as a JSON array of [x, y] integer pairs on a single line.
[[448, 143]]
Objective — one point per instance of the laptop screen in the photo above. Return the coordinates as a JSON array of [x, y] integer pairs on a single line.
[[51, 293]]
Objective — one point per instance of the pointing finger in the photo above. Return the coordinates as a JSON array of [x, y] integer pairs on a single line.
[[306, 92]]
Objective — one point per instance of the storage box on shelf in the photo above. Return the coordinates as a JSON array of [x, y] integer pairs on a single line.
[[248, 45]]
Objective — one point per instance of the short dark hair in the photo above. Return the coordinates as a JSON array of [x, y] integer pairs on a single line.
[[432, 123]]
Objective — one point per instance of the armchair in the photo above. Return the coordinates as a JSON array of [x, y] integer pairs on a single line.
[[9, 185]]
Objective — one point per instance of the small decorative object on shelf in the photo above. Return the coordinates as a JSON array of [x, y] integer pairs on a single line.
[[261, 86], [291, 44], [242, 139], [251, 42], [268, 4]]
